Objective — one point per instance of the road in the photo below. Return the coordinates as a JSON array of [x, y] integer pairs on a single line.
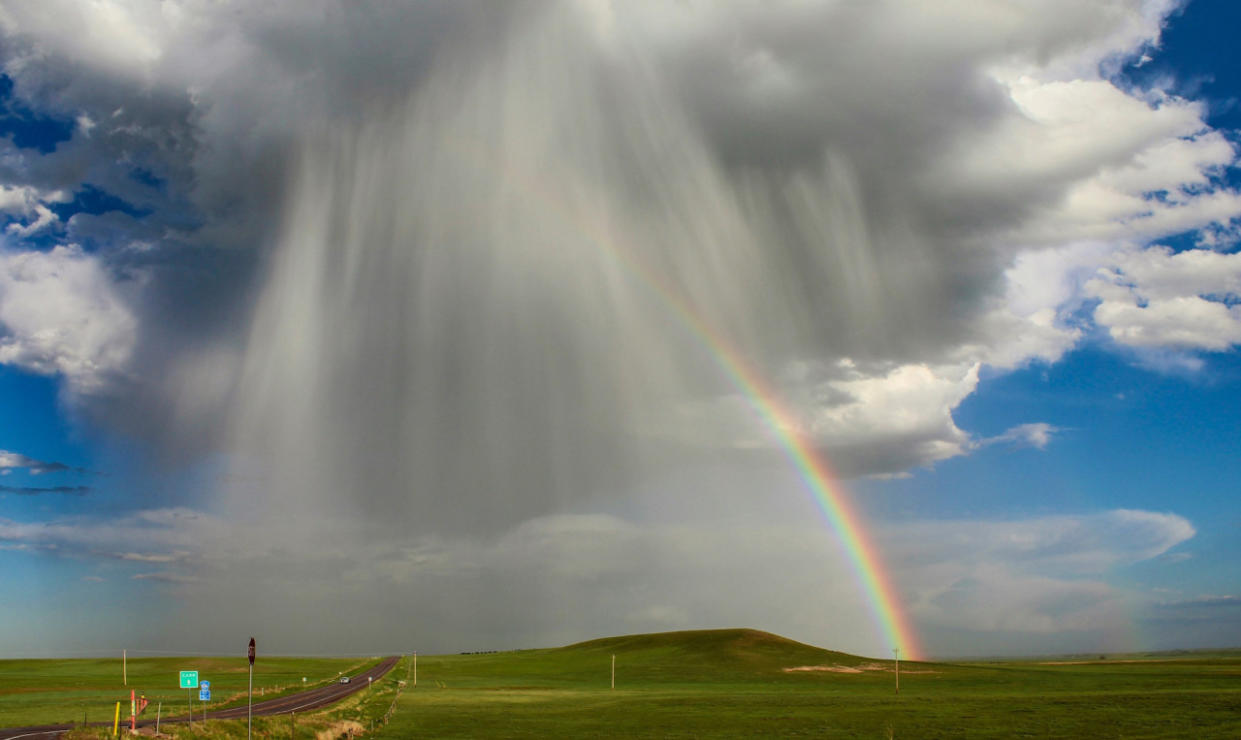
[[303, 701]]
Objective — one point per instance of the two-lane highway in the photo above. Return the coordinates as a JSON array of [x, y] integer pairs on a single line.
[[307, 700], [302, 701]]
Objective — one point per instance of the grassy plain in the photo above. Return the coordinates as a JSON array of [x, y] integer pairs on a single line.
[[734, 683], [55, 691]]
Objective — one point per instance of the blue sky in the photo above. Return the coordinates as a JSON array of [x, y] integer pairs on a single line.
[[996, 275]]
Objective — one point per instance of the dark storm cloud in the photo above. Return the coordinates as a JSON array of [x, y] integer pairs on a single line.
[[187, 117], [186, 158]]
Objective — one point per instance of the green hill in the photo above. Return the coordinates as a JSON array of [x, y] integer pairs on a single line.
[[699, 656]]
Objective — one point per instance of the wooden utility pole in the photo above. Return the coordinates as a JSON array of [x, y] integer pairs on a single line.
[[124, 666], [896, 667], [613, 672]]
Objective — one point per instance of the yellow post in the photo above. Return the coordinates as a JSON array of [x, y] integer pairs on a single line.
[[117, 719]]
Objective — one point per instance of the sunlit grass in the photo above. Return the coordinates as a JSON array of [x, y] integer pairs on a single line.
[[35, 692], [734, 684]]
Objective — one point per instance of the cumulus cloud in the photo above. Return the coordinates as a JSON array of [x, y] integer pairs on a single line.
[[1155, 298], [876, 421], [62, 315]]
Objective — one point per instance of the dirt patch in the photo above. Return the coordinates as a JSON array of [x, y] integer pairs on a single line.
[[824, 668], [1096, 662], [859, 668], [343, 728]]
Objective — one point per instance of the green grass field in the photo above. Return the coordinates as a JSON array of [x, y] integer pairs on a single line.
[[729, 683], [734, 683], [35, 692]]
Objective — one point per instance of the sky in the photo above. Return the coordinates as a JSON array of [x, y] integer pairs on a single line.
[[450, 326]]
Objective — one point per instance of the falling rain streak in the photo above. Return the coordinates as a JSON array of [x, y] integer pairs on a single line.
[[453, 335]]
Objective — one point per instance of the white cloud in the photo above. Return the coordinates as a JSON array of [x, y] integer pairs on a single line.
[[153, 557], [61, 314], [871, 421], [17, 199], [1157, 299], [1036, 435], [878, 421], [13, 460], [25, 201], [164, 577]]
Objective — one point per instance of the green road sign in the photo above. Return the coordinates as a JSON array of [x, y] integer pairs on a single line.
[[189, 679]]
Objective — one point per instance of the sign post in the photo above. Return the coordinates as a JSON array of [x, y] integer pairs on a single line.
[[189, 680], [250, 693]]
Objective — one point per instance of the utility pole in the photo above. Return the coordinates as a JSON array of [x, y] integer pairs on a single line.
[[896, 666], [250, 691], [124, 666]]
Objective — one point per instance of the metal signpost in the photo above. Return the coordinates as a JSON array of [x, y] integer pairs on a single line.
[[189, 680], [250, 693], [204, 696]]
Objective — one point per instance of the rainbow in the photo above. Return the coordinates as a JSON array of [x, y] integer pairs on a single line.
[[829, 496]]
